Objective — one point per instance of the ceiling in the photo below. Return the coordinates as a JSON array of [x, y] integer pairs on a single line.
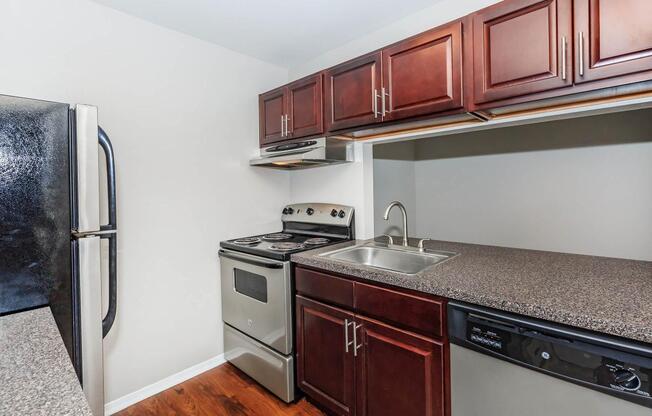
[[283, 32]]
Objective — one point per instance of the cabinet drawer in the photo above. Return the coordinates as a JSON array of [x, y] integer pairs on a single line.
[[414, 313], [324, 287]]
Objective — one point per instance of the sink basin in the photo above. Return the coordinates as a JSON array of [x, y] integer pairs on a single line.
[[392, 258]]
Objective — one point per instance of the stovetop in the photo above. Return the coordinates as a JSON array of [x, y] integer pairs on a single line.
[[279, 246], [317, 223]]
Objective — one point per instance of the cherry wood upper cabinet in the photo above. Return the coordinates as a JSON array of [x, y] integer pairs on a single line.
[[399, 373], [305, 107], [353, 93], [325, 369], [612, 38], [423, 75], [271, 110], [522, 47]]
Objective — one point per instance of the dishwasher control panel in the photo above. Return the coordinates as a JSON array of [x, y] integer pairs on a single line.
[[485, 337], [595, 361]]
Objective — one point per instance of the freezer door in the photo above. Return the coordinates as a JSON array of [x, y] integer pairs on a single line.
[[87, 183], [90, 321]]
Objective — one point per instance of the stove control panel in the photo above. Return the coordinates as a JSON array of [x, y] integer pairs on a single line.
[[318, 213]]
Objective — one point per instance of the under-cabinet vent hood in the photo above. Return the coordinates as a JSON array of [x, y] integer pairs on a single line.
[[304, 154]]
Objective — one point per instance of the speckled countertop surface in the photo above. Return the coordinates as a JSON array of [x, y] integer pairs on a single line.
[[36, 374], [608, 295]]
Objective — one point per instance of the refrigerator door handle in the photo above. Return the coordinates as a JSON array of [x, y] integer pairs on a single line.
[[104, 141], [107, 321]]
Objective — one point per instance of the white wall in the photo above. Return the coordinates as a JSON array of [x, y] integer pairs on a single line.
[[393, 179], [182, 115], [439, 13], [593, 201], [346, 184], [520, 186]]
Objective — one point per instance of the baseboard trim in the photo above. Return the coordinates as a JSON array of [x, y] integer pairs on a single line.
[[154, 388]]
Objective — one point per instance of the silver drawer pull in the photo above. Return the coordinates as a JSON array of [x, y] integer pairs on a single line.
[[375, 97], [355, 339], [580, 44], [347, 343], [563, 58], [383, 94]]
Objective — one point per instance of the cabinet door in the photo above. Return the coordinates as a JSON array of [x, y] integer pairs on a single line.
[[353, 93], [399, 373], [271, 110], [613, 37], [324, 367], [305, 107], [518, 48], [423, 75]]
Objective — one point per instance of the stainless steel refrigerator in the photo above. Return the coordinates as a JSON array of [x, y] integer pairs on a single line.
[[51, 240]]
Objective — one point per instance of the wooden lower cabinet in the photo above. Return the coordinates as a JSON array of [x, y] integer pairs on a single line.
[[351, 364], [398, 373], [325, 370]]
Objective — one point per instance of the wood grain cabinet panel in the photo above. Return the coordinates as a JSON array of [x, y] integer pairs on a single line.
[[371, 360], [423, 75], [272, 107], [519, 48], [352, 93], [616, 38], [325, 370], [305, 107], [324, 287], [398, 373], [414, 313]]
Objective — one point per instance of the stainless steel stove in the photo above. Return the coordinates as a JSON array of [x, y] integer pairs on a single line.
[[257, 282]]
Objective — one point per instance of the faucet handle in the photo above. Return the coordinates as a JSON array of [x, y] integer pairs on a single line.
[[421, 248], [390, 239]]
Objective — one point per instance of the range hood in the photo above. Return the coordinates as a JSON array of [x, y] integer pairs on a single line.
[[304, 154]]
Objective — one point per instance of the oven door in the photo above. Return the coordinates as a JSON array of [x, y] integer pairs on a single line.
[[256, 298]]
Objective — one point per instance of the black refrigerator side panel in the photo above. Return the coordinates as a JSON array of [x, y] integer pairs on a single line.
[[35, 249]]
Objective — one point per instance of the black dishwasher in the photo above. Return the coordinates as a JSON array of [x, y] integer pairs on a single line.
[[606, 364]]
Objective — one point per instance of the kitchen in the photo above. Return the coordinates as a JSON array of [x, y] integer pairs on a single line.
[[180, 102]]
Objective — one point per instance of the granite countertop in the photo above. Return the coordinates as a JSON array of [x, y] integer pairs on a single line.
[[608, 295], [36, 374]]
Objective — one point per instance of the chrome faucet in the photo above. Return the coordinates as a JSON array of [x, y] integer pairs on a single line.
[[405, 224]]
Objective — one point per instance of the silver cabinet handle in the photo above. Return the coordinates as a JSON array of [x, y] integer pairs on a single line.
[[382, 99], [375, 98], [355, 339], [580, 48], [287, 130], [282, 126], [563, 58], [347, 343]]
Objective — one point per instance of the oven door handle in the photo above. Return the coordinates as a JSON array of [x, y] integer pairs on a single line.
[[250, 260]]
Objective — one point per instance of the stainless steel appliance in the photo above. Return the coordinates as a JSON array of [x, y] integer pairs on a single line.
[[305, 154], [257, 286], [50, 231], [505, 364]]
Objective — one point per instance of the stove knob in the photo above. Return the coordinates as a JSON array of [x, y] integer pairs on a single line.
[[289, 210], [334, 213], [285, 211], [626, 379], [310, 211], [342, 214]]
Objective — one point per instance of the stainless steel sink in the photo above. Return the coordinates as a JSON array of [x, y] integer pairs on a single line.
[[394, 258]]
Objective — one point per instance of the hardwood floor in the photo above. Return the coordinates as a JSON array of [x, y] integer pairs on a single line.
[[224, 390]]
